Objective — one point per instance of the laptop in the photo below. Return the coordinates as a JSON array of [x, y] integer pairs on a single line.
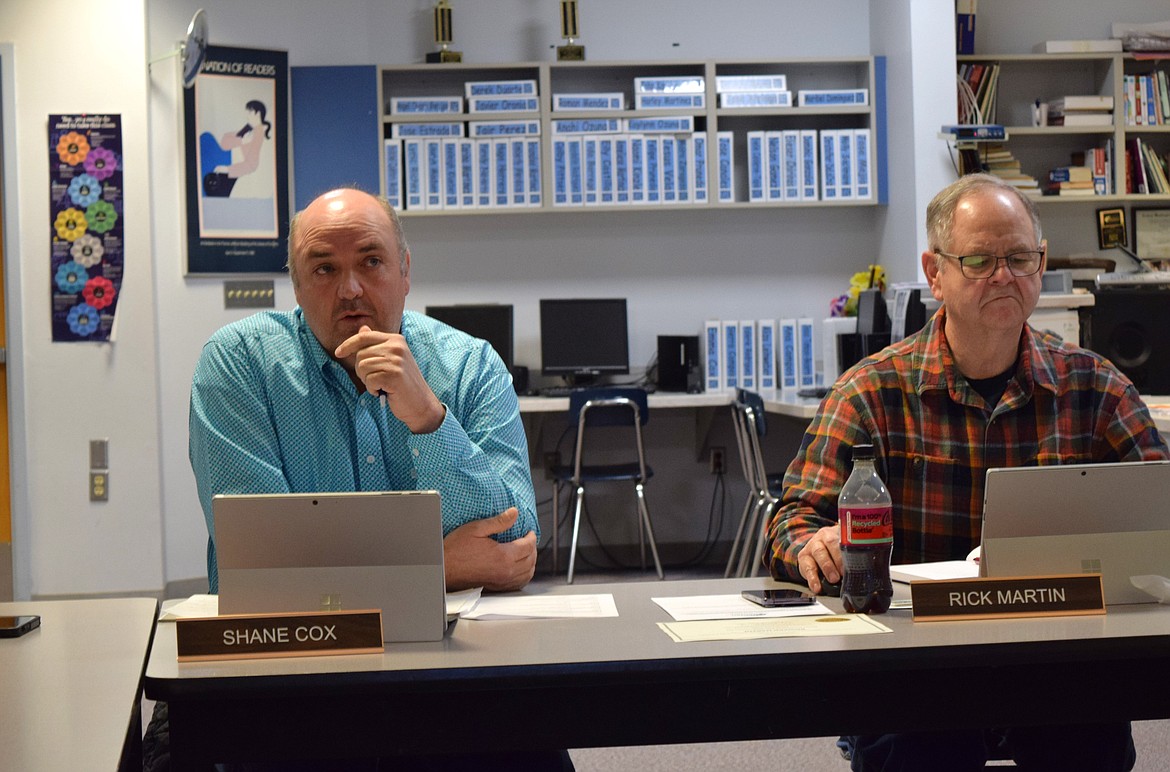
[[1112, 519], [291, 552]]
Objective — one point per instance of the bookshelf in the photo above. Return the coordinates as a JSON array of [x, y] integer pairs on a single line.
[[708, 121], [1024, 78]]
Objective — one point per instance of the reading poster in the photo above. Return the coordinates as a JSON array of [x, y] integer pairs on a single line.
[[85, 219], [236, 137]]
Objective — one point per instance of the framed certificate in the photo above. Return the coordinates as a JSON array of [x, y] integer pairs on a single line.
[[1151, 233]]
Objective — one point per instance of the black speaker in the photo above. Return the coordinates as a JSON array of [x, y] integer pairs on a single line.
[[678, 363], [1130, 327]]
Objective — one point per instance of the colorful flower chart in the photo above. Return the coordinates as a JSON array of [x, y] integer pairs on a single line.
[[85, 190]]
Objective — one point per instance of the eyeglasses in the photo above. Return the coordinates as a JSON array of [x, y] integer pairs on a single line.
[[983, 266]]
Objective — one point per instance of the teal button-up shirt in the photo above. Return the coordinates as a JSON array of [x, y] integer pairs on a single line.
[[272, 412]]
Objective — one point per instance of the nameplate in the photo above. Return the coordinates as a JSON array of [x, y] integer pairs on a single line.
[[1004, 597], [254, 636]]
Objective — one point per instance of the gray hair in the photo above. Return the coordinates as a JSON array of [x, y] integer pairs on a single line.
[[399, 234], [940, 213]]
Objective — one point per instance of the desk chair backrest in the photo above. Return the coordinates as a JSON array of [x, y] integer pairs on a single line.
[[755, 405], [609, 406]]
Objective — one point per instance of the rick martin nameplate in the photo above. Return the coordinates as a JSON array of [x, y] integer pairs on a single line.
[[1001, 597]]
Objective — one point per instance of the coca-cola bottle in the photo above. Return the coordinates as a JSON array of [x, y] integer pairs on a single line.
[[867, 537]]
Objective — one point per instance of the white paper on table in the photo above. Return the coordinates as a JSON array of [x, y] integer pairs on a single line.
[[543, 607], [195, 607], [942, 569], [459, 603], [752, 629], [689, 608]]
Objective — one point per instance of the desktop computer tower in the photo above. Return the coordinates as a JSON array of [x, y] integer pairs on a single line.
[[1131, 328], [678, 364]]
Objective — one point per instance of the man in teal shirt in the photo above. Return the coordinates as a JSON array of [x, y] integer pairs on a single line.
[[349, 392]]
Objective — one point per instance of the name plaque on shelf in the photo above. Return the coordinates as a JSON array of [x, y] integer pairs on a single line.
[[1007, 597], [255, 636]]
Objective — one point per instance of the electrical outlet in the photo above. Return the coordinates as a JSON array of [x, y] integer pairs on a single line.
[[99, 486], [551, 459], [718, 460]]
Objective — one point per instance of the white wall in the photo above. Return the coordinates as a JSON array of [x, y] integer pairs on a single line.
[[62, 395], [676, 268]]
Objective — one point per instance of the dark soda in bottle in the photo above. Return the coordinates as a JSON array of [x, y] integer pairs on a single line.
[[867, 537]]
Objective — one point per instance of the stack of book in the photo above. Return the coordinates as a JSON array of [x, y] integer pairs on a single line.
[[1147, 99], [1070, 181], [998, 160], [1145, 170], [981, 79], [738, 91], [1081, 110]]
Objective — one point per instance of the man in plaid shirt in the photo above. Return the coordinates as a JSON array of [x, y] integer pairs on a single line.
[[977, 388]]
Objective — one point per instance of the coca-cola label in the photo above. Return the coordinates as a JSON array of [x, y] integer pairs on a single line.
[[867, 525]]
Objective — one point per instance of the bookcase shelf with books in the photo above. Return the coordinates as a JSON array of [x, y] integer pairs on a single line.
[[591, 128], [1025, 82]]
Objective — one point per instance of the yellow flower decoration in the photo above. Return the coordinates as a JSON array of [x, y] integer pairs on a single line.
[[71, 224], [73, 148], [873, 277]]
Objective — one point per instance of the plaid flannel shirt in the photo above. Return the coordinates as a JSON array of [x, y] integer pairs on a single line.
[[935, 437]]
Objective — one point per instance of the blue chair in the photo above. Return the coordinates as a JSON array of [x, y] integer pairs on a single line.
[[589, 410], [751, 538]]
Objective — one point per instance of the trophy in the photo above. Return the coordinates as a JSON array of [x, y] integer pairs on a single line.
[[569, 52], [443, 36]]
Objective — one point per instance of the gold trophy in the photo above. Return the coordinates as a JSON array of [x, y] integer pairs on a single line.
[[443, 36], [570, 52]]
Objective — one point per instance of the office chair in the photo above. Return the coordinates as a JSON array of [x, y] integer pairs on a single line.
[[591, 409], [751, 538]]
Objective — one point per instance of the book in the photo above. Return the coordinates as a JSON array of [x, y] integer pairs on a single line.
[[484, 169], [652, 173], [673, 124], [809, 179], [518, 168], [766, 370], [502, 104], [1090, 118], [452, 182], [965, 26], [533, 167], [1107, 45], [863, 163], [589, 169], [1080, 102], [740, 99], [829, 166], [433, 167], [684, 179], [560, 161], [734, 83], [466, 173], [806, 373], [790, 139], [499, 88], [502, 128], [1071, 174], [786, 351], [748, 356], [576, 172], [846, 174], [725, 166], [699, 166], [731, 355], [600, 101], [774, 145], [713, 356], [682, 84], [403, 130], [502, 193], [605, 169], [757, 166], [832, 97], [668, 101], [393, 149], [425, 105], [637, 169], [621, 169], [669, 170]]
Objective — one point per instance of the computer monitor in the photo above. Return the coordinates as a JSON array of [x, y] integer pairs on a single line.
[[583, 339], [490, 321]]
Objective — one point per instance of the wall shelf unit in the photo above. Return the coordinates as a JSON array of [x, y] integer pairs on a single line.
[[708, 121], [1025, 78]]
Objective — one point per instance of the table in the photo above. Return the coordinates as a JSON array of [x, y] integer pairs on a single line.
[[621, 681], [72, 688]]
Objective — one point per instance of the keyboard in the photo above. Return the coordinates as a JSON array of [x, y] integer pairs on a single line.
[[1134, 279], [556, 391]]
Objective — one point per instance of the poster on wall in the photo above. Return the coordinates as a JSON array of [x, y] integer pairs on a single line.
[[85, 210], [236, 145]]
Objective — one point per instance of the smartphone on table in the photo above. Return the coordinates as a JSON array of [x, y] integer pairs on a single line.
[[16, 626], [779, 598]]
